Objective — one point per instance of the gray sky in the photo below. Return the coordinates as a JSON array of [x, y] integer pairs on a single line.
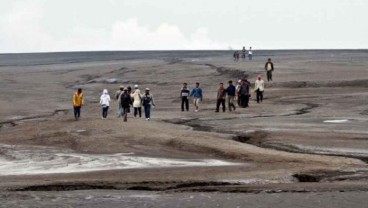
[[81, 25]]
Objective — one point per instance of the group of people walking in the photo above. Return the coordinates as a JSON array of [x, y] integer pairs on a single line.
[[127, 97], [241, 92], [244, 54]]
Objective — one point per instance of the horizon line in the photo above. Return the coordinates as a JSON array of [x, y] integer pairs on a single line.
[[167, 50]]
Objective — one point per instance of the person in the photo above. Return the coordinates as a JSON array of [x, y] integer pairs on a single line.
[[259, 88], [125, 102], [78, 102], [237, 89], [137, 101], [269, 68], [221, 96], [129, 92], [117, 97], [243, 53], [184, 93], [250, 54], [231, 90], [148, 103], [197, 96], [244, 93], [105, 103], [250, 91], [237, 55], [234, 55]]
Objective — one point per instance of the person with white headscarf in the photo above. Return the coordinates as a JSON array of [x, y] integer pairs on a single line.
[[137, 101], [105, 103]]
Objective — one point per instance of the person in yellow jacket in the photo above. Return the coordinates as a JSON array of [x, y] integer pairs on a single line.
[[78, 101]]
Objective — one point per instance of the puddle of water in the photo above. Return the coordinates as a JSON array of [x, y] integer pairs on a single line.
[[31, 160], [336, 121]]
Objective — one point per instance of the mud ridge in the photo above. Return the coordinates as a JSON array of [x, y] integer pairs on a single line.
[[314, 84], [308, 109], [293, 149], [13, 122], [259, 138], [231, 72], [141, 186], [331, 176], [305, 186], [364, 113]]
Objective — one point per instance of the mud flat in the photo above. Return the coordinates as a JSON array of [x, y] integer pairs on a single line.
[[306, 142]]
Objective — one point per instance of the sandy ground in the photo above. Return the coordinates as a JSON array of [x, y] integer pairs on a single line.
[[309, 134]]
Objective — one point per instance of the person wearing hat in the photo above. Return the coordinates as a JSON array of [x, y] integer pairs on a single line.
[[78, 101], [125, 102], [117, 97], [259, 88], [137, 101], [105, 103], [148, 102]]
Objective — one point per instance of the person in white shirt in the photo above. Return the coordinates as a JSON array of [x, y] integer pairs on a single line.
[[105, 103], [269, 68], [250, 54], [259, 88]]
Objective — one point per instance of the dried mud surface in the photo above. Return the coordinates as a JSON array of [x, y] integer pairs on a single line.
[[308, 138]]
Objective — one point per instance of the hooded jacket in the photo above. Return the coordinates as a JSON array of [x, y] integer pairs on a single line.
[[137, 97], [105, 98]]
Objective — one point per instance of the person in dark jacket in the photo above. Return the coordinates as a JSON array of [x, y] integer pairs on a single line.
[[269, 69], [231, 91], [117, 97], [129, 92], [221, 95], [148, 103], [125, 102], [244, 93], [184, 94]]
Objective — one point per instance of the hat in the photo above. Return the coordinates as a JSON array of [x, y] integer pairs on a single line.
[[136, 86], [125, 89], [239, 80], [121, 87], [148, 89]]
